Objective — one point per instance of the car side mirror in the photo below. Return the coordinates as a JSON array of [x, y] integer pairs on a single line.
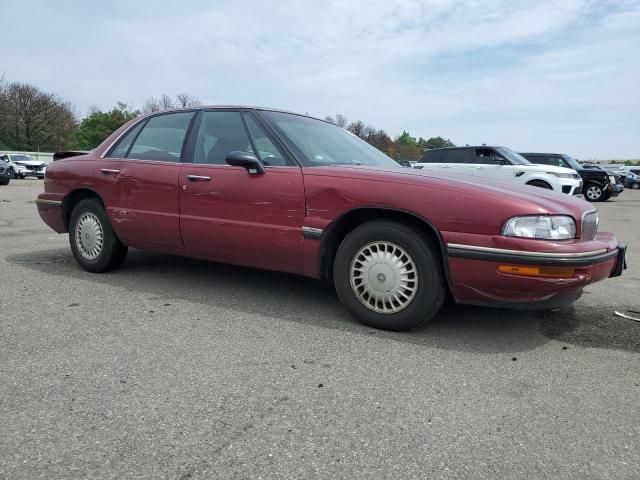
[[246, 160], [500, 161]]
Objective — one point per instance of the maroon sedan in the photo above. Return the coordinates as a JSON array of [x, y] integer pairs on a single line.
[[282, 191]]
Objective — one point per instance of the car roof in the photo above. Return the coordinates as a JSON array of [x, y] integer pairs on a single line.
[[541, 153], [465, 147], [232, 107]]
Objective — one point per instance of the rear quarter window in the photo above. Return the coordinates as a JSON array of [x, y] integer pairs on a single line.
[[460, 155], [432, 156]]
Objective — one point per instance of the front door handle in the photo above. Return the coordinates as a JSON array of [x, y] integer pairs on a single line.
[[109, 171], [198, 178]]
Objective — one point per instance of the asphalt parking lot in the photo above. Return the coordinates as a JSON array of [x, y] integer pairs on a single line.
[[177, 368]]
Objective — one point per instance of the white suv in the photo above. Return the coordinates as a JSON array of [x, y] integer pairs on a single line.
[[501, 163], [23, 165]]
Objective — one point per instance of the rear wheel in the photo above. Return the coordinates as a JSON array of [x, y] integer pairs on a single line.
[[389, 275], [635, 186], [93, 242], [593, 192]]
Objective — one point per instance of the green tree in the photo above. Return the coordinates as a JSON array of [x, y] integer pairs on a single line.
[[435, 142], [95, 128], [407, 147]]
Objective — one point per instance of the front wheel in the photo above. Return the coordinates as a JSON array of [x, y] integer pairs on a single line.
[[12, 173], [389, 275], [635, 186], [93, 242], [593, 193]]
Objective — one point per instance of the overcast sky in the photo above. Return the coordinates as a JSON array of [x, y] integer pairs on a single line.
[[539, 75]]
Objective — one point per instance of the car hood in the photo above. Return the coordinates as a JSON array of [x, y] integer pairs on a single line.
[[29, 163], [529, 199], [546, 168]]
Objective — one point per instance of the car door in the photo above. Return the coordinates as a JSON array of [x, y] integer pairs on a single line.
[[139, 178], [227, 212], [458, 161], [490, 164]]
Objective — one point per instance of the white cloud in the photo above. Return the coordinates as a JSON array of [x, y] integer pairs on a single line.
[[568, 83]]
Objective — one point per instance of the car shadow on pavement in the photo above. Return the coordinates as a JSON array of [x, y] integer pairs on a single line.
[[308, 301]]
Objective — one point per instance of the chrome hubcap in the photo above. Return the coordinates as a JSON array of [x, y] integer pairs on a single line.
[[89, 236], [383, 277], [593, 192]]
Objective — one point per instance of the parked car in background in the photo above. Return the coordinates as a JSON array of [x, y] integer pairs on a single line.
[[617, 185], [14, 170], [5, 174], [500, 163], [25, 165], [597, 185], [632, 181], [282, 191]]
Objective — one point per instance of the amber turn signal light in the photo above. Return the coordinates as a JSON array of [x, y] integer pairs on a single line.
[[553, 272]]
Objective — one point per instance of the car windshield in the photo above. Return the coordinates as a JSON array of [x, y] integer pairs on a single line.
[[572, 162], [21, 158], [322, 143], [512, 156]]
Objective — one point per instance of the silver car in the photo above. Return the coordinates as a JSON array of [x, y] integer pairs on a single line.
[[22, 165]]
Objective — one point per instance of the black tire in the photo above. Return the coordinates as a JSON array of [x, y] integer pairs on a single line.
[[12, 173], [5, 182], [429, 294], [111, 253], [540, 183], [594, 193], [635, 186]]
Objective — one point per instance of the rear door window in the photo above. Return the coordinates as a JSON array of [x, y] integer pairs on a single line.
[[162, 138], [122, 147], [432, 156]]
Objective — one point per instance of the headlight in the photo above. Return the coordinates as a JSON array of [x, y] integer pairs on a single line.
[[548, 227], [561, 175]]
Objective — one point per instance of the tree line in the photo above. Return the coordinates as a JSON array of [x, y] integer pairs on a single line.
[[33, 120], [403, 147]]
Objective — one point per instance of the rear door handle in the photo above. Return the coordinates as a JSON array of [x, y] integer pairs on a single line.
[[109, 171], [198, 178]]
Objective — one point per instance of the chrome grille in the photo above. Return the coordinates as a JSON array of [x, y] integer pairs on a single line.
[[589, 225]]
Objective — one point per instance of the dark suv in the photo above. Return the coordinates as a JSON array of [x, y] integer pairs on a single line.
[[597, 184]]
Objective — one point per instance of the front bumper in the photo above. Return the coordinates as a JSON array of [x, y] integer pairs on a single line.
[[33, 172], [475, 279], [571, 186], [616, 189]]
